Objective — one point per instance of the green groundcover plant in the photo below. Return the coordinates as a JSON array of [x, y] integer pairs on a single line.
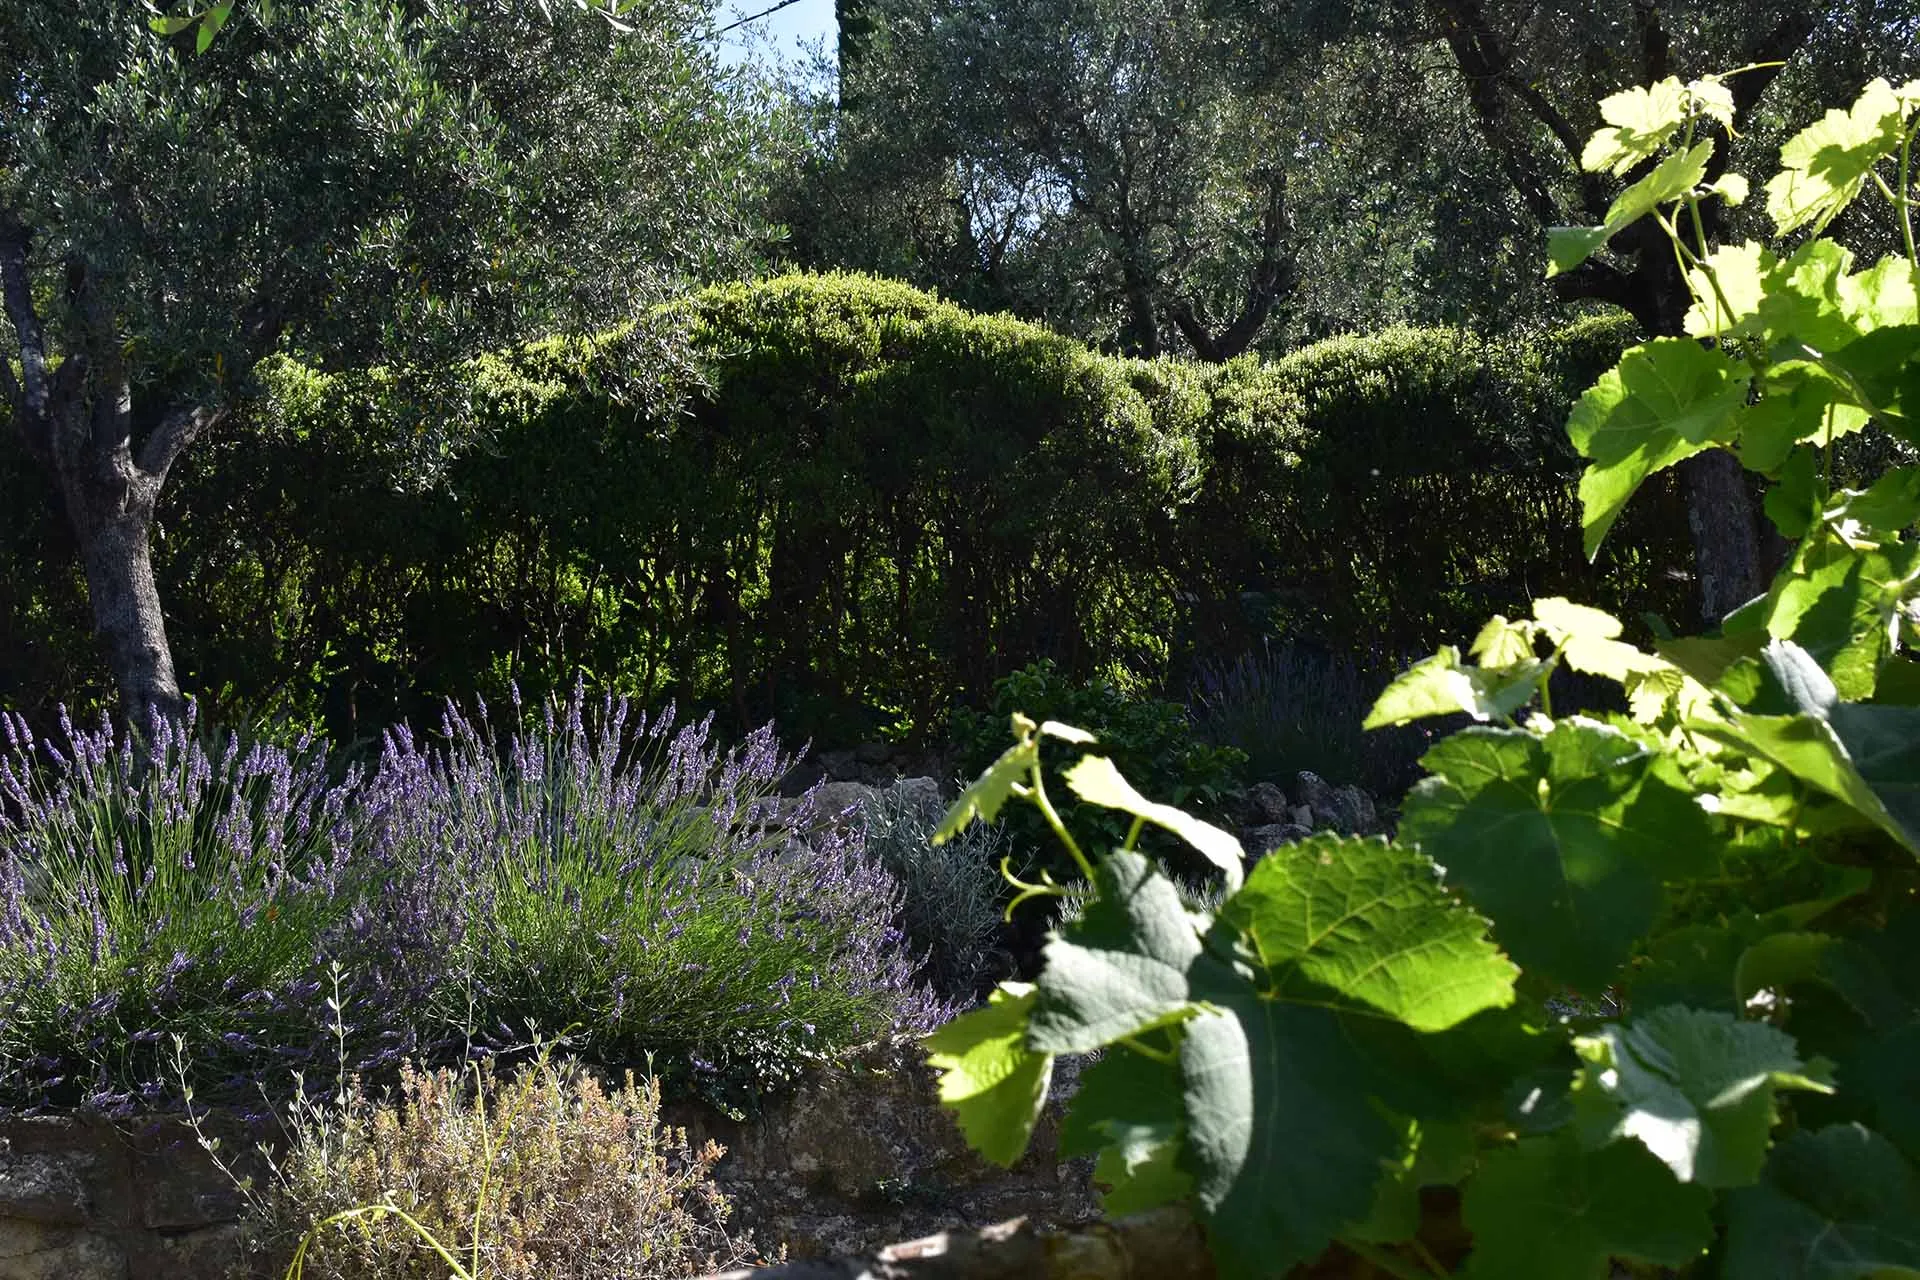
[[1394, 1051]]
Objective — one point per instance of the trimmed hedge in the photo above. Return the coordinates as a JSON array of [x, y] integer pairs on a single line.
[[863, 503]]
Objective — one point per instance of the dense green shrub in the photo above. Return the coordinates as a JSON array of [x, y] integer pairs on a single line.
[[1333, 472], [861, 500]]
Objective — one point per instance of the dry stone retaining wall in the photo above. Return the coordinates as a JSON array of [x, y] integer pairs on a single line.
[[853, 1160]]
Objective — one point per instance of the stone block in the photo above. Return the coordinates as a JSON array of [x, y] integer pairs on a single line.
[[50, 1188], [35, 1251]]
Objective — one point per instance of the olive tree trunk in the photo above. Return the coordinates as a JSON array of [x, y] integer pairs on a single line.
[[74, 411], [112, 518]]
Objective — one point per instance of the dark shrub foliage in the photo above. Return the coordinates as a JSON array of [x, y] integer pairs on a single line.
[[863, 500]]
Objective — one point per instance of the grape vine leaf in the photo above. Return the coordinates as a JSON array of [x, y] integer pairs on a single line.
[[1806, 299], [1883, 367], [1695, 1087], [1665, 401], [986, 795], [1639, 122], [1121, 969], [1871, 516], [1285, 1141], [1883, 745], [1844, 612], [993, 1082], [1590, 640], [1672, 178], [1353, 942], [1365, 926], [1823, 167], [1563, 840], [1782, 961], [1836, 1204], [1442, 686], [1128, 1111], [1740, 271], [1544, 1209], [1804, 403], [1096, 780], [1866, 756], [1503, 643]]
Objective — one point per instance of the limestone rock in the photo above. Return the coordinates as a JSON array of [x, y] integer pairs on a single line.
[[1266, 805], [33, 1251], [840, 799], [45, 1187], [918, 795], [1347, 809], [1263, 840]]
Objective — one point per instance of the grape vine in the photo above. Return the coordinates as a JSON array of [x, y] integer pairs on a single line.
[[1396, 1051]]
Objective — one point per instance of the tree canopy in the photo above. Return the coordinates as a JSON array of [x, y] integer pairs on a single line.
[[354, 182]]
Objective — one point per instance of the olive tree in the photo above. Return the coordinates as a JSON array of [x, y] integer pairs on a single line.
[[353, 182]]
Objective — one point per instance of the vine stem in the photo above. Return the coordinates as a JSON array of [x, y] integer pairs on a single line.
[[1148, 1051], [1059, 828], [1906, 192]]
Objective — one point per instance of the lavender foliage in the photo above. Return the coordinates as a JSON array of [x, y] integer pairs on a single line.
[[612, 876], [1291, 707], [173, 885], [597, 873]]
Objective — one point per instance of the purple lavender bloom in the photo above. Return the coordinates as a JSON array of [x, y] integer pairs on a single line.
[[147, 884]]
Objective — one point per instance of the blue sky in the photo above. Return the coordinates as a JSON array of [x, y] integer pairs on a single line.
[[788, 31]]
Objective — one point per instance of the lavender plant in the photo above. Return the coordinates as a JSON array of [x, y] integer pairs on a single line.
[[950, 895], [166, 885], [1291, 709], [610, 876]]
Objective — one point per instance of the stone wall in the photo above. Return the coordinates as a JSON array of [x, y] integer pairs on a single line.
[[84, 1199], [855, 1159]]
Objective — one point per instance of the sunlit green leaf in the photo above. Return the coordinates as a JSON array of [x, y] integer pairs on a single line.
[[993, 1082], [1823, 167], [988, 794], [1727, 289], [1696, 1088], [1441, 686], [1639, 122], [1672, 178], [1802, 403], [1666, 400], [1096, 780], [1366, 925], [1502, 643]]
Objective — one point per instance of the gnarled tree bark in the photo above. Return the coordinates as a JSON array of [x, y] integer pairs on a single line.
[[78, 422]]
